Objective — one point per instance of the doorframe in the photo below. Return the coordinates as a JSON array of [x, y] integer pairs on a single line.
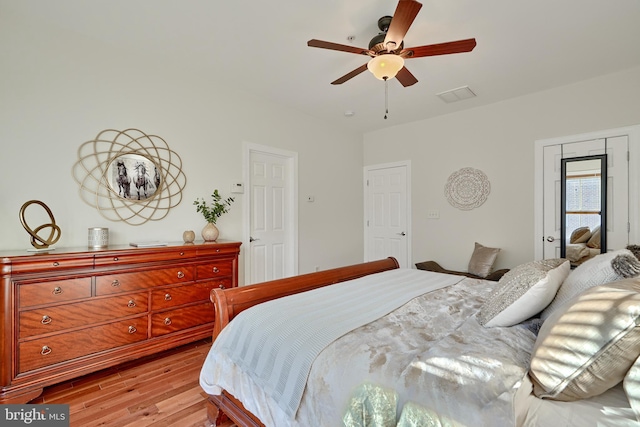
[[633, 134], [292, 178], [366, 170]]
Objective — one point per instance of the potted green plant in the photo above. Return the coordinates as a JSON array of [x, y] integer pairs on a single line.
[[211, 214]]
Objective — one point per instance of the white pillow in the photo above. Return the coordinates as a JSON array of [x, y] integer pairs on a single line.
[[589, 344], [631, 385], [523, 292], [593, 272]]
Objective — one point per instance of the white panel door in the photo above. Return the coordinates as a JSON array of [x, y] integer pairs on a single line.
[[552, 154], [617, 189], [271, 242], [623, 185], [618, 228], [387, 213]]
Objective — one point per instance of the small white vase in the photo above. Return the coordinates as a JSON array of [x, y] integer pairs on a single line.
[[210, 232]]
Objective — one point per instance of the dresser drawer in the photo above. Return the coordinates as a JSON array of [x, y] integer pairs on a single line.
[[124, 282], [58, 348], [49, 263], [216, 249], [149, 255], [181, 318], [166, 298], [215, 269], [54, 319], [30, 294]]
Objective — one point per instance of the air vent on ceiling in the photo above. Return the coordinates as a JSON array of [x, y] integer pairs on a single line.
[[455, 95]]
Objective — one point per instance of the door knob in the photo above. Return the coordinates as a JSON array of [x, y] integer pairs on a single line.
[[550, 239], [401, 234], [251, 239]]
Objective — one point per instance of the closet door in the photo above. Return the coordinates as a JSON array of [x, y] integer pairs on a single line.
[[617, 203], [618, 226], [552, 154]]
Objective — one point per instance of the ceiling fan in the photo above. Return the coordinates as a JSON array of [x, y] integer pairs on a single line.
[[387, 50]]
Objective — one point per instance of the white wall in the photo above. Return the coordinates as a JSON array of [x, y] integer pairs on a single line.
[[499, 140], [58, 90]]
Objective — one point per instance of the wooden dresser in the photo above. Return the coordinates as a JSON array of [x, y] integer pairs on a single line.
[[69, 312]]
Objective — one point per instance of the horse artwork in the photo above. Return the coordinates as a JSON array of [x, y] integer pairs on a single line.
[[142, 181], [156, 176], [123, 180]]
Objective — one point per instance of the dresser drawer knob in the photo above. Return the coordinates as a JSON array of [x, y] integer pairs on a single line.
[[46, 320], [167, 297], [181, 253], [57, 290], [132, 329], [180, 275], [131, 303], [115, 258], [115, 283], [222, 286], [216, 270], [56, 264], [45, 350], [217, 250], [167, 321]]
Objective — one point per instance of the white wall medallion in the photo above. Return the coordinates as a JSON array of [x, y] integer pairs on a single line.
[[129, 176], [467, 188]]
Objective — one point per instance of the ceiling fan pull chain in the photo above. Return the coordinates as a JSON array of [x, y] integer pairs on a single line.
[[386, 97]]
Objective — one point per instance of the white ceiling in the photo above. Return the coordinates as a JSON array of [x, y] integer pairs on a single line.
[[523, 46]]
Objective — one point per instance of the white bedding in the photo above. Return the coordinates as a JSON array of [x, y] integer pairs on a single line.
[[277, 351], [610, 409], [431, 351]]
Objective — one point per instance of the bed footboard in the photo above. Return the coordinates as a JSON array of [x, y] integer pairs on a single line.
[[228, 303], [224, 409]]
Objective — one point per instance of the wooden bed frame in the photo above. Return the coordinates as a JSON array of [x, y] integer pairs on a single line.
[[229, 302]]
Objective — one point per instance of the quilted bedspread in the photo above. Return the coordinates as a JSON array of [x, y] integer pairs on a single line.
[[431, 351]]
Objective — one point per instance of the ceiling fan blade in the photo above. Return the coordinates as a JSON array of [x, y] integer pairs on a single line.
[[350, 75], [405, 13], [405, 77], [459, 46], [335, 46]]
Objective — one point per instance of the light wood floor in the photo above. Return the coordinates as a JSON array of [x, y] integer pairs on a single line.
[[158, 391]]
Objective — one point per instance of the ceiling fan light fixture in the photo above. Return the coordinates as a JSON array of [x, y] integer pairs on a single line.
[[385, 67]]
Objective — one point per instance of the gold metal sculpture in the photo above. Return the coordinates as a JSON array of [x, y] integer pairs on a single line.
[[37, 241], [129, 176]]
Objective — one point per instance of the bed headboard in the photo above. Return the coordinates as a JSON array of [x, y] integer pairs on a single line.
[[229, 302]]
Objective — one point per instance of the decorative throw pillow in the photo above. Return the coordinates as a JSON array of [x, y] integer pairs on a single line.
[[631, 385], [626, 265], [482, 260], [523, 292], [593, 272], [580, 235], [635, 249], [594, 240], [588, 345]]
